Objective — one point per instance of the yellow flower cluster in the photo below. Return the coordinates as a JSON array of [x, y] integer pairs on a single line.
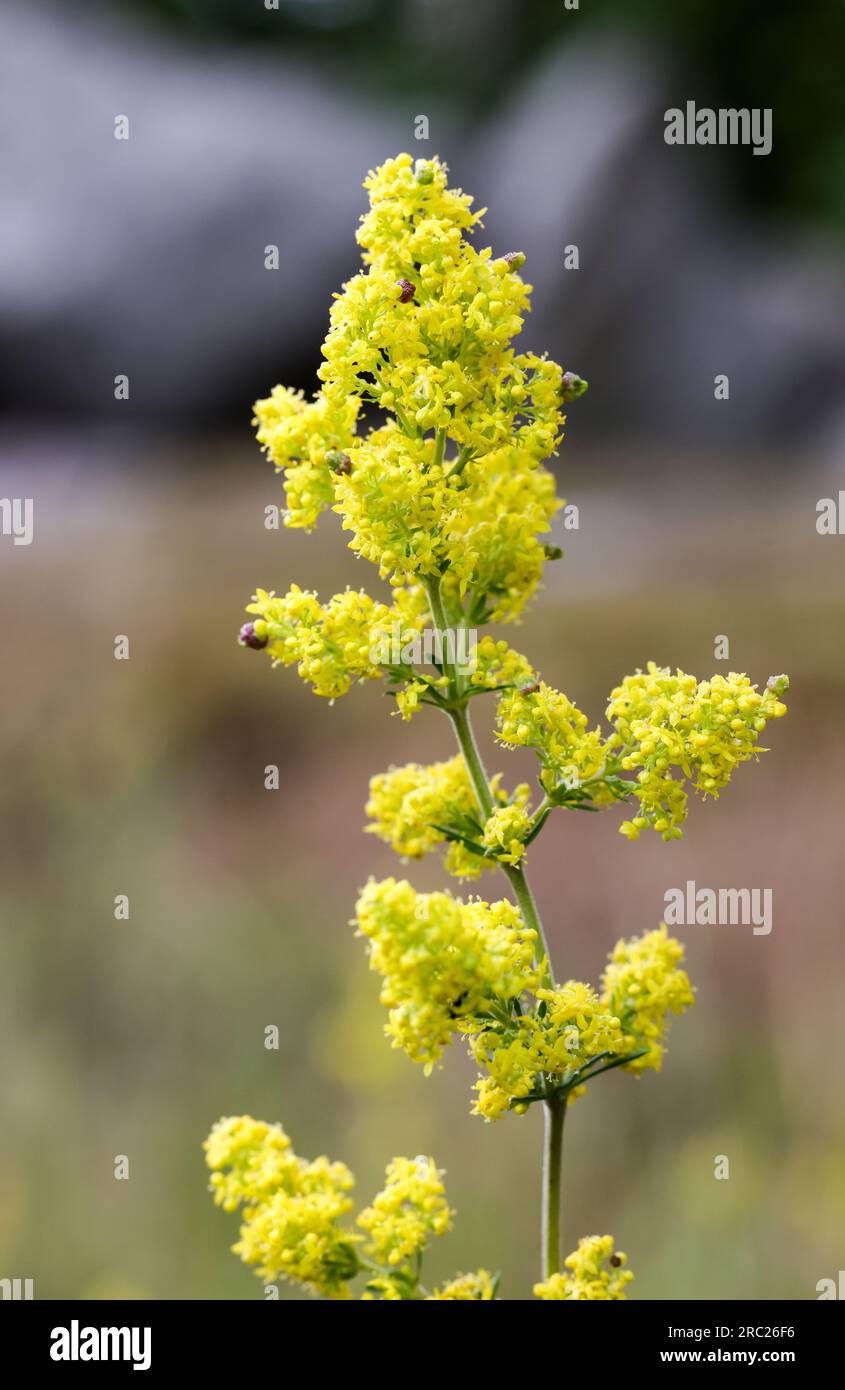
[[570, 1027], [249, 1160], [703, 728], [307, 440], [495, 664], [596, 1273], [292, 1212], [571, 1033], [410, 698], [407, 804], [412, 808], [467, 1288], [410, 1209], [544, 719], [442, 960], [412, 515], [641, 985], [425, 330], [292, 1208], [505, 833], [453, 483], [332, 644], [491, 542], [661, 724]]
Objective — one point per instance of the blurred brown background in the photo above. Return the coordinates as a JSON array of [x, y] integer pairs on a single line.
[[145, 777]]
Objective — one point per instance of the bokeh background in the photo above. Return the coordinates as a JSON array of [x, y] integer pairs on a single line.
[[251, 127]]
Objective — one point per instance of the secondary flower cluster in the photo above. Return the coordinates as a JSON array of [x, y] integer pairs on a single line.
[[305, 440], [527, 1054], [545, 720], [410, 1210], [291, 1207], [293, 1214], [331, 644], [642, 984], [441, 960], [705, 729], [415, 809], [662, 724], [465, 969], [595, 1273], [293, 1226]]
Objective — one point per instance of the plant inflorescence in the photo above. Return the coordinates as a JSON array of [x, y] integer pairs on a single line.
[[448, 494]]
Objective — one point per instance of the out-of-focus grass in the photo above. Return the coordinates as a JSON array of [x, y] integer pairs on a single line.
[[146, 778]]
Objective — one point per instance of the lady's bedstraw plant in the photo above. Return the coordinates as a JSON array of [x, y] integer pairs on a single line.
[[450, 499]]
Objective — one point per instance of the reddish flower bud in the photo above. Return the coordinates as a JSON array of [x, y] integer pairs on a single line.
[[248, 637], [572, 386], [408, 290]]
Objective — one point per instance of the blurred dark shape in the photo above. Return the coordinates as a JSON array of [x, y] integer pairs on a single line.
[[672, 288], [146, 256]]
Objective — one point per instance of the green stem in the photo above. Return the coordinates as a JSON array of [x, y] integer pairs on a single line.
[[481, 785], [439, 447], [528, 908], [469, 748], [555, 1106], [555, 1113], [460, 463], [438, 617]]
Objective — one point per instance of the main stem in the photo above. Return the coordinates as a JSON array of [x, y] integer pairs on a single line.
[[515, 876], [555, 1114], [555, 1106]]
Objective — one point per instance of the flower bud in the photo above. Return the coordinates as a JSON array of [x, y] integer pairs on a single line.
[[514, 260], [778, 684], [407, 290], [423, 171], [248, 637], [552, 552], [572, 386]]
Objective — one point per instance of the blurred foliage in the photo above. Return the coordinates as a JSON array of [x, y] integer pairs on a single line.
[[146, 777], [755, 53]]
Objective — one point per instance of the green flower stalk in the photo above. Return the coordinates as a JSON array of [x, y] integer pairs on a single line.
[[448, 495]]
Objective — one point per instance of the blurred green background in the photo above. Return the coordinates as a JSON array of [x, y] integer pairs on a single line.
[[146, 777]]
